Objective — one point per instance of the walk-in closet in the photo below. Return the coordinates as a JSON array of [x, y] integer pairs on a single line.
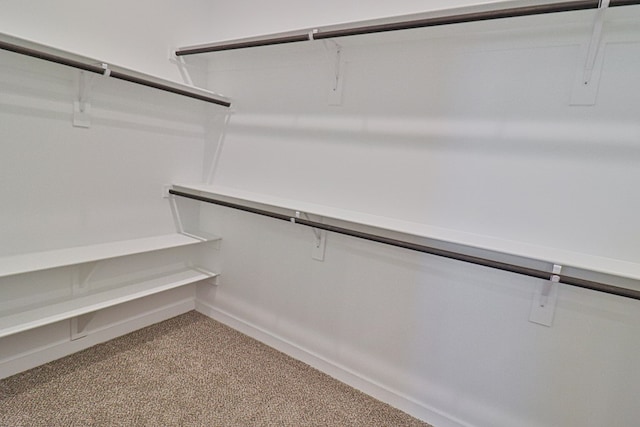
[[411, 213]]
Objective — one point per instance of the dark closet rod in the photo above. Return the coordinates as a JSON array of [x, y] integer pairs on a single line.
[[98, 69], [540, 274], [364, 28]]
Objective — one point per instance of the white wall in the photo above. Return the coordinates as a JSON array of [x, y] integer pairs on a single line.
[[286, 15], [467, 128], [135, 35]]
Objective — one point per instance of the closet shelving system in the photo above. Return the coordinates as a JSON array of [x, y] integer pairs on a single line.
[[81, 296], [85, 301], [82, 299], [246, 201]]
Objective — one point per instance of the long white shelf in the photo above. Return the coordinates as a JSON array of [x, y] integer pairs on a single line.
[[83, 304], [25, 263], [583, 261], [48, 53]]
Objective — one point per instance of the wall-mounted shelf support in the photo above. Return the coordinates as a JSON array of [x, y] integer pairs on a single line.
[[543, 306], [82, 276], [82, 107], [215, 157], [319, 246], [182, 66], [81, 114], [587, 79], [336, 73], [594, 44], [79, 325], [320, 239]]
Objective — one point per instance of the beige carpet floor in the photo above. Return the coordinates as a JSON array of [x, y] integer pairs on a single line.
[[186, 371]]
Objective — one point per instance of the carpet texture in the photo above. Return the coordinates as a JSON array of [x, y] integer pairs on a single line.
[[186, 371]]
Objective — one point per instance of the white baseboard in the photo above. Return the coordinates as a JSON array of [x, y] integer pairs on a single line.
[[341, 373], [49, 353]]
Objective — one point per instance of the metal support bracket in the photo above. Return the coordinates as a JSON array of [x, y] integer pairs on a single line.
[[320, 240], [215, 157], [79, 326], [336, 80], [82, 107], [320, 245], [81, 277], [543, 305], [175, 212], [181, 64], [587, 79]]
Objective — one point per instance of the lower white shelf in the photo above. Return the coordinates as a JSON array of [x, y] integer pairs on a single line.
[[88, 303], [27, 263]]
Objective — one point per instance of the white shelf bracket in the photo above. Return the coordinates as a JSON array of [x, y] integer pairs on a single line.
[[82, 107], [215, 159], [319, 246], [181, 64], [543, 305], [175, 213], [336, 81], [587, 79], [320, 239], [81, 277], [79, 325]]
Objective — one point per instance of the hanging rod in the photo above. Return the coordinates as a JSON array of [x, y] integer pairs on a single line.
[[75, 61], [409, 22], [485, 262]]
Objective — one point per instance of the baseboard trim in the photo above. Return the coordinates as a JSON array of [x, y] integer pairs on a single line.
[[341, 373], [49, 353]]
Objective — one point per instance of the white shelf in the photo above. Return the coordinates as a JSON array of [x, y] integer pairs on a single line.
[[560, 256], [33, 318], [52, 54], [25, 263]]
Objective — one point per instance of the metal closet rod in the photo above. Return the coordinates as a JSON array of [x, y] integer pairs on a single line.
[[46, 56], [364, 28], [485, 262]]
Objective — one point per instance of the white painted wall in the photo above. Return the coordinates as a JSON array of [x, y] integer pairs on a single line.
[[135, 35], [286, 15], [467, 128]]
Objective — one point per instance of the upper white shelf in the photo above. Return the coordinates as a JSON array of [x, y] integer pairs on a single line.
[[427, 19], [36, 261], [47, 53], [586, 262]]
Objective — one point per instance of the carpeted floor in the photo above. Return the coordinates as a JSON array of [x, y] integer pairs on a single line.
[[186, 371]]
